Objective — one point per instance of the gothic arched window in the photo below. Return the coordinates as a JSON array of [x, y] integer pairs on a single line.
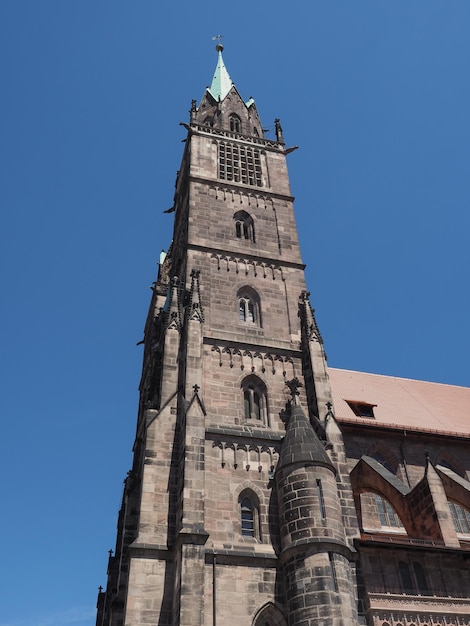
[[460, 518], [244, 226], [388, 516], [249, 306], [269, 615], [255, 404], [235, 123], [248, 504]]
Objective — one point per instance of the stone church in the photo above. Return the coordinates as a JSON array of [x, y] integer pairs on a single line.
[[266, 488]]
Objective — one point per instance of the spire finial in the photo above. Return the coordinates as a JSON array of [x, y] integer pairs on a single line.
[[221, 83], [219, 47]]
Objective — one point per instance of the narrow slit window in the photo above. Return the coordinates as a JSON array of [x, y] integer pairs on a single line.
[[321, 501], [334, 580]]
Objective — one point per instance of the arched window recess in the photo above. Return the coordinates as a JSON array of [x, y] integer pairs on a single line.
[[378, 515], [244, 226], [249, 310], [248, 504], [460, 518], [255, 402], [235, 123], [388, 517], [269, 615]]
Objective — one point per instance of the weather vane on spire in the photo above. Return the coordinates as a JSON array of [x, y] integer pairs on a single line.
[[219, 47]]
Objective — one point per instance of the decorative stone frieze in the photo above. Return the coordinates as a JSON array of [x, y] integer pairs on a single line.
[[254, 361], [241, 265], [247, 456]]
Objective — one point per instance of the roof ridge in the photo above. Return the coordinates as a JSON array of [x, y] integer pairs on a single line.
[[415, 380]]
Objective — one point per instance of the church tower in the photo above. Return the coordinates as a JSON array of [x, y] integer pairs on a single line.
[[238, 507]]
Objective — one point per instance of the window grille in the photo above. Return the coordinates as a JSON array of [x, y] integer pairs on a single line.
[[240, 164]]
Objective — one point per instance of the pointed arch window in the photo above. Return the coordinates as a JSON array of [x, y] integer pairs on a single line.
[[269, 615], [249, 310], [387, 515], [244, 226], [248, 504], [255, 404], [460, 518], [378, 515], [235, 123]]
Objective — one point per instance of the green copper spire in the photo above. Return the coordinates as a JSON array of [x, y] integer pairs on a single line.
[[221, 83]]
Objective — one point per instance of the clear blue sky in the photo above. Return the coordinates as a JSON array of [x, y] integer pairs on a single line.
[[376, 94]]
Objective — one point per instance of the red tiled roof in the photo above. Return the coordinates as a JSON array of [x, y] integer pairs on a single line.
[[401, 402]]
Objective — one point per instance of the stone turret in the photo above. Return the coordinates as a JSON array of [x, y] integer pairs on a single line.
[[314, 556]]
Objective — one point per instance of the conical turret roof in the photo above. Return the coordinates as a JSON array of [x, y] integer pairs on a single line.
[[301, 444], [221, 82]]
